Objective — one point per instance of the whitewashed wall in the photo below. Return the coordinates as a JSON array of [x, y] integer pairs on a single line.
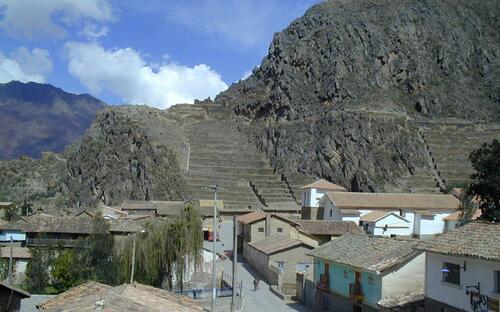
[[410, 277], [477, 270]]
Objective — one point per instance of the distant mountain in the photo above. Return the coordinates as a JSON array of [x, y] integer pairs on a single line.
[[38, 117]]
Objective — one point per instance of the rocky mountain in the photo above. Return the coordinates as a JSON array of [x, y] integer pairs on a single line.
[[345, 89], [375, 96], [40, 117], [114, 160]]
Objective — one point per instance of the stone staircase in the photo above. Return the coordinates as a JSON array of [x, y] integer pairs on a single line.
[[220, 154], [450, 141]]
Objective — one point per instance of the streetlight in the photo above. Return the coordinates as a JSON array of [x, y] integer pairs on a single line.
[[133, 257], [215, 189]]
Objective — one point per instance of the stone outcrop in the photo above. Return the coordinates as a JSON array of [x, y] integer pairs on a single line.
[[340, 91]]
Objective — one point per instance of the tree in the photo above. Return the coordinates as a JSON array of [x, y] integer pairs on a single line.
[[486, 189], [37, 271], [164, 247], [98, 254], [65, 271]]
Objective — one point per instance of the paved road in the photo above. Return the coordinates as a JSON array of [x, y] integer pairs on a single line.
[[261, 300]]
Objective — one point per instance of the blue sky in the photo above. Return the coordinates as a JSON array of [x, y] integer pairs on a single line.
[[157, 53]]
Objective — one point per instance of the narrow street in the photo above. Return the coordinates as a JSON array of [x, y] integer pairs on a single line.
[[254, 301]]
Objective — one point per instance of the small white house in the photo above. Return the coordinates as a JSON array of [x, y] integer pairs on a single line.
[[463, 269], [385, 223], [424, 212], [313, 193]]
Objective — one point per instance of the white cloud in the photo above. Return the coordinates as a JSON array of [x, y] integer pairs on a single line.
[[50, 18], [93, 31], [25, 66], [125, 73]]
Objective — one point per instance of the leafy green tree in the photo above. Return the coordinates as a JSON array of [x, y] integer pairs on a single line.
[[10, 213], [37, 271], [486, 162], [98, 254], [65, 271], [162, 249]]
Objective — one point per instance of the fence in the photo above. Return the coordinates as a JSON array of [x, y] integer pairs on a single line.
[[207, 292]]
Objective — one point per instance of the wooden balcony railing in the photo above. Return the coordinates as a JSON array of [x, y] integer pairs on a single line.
[[33, 242]]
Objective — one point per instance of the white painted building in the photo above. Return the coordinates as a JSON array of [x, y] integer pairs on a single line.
[[463, 269], [313, 193], [424, 212], [385, 223]]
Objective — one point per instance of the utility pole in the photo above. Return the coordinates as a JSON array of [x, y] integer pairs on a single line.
[[133, 257], [133, 261], [215, 189], [10, 261], [235, 262]]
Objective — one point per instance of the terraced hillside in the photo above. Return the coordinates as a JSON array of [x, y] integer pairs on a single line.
[[219, 154], [450, 141]]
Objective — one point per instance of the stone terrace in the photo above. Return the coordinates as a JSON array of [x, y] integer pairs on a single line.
[[450, 141], [220, 154]]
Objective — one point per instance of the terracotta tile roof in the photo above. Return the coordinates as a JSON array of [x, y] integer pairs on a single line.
[[458, 215], [75, 293], [17, 252], [476, 239], [402, 300], [275, 243], [327, 227], [324, 185], [350, 211], [251, 217], [389, 201], [370, 253], [137, 205], [210, 203], [377, 215], [127, 297], [43, 223]]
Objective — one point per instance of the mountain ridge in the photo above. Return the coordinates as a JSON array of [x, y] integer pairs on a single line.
[[40, 117]]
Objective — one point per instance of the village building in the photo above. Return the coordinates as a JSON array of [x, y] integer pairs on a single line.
[[3, 207], [10, 298], [92, 296], [312, 194], [455, 219], [357, 272], [20, 258], [277, 258], [463, 269], [424, 213], [40, 229]]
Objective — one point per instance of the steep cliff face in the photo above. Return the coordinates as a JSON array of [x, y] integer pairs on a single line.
[[338, 92], [115, 160]]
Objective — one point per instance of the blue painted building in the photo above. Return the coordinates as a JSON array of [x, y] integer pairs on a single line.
[[356, 272]]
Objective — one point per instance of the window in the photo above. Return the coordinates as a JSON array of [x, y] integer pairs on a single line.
[[451, 273], [279, 230], [331, 213], [261, 229], [371, 280], [281, 265], [346, 275], [496, 277]]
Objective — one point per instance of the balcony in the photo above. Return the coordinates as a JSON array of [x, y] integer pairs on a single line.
[[44, 242], [324, 282], [355, 292]]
